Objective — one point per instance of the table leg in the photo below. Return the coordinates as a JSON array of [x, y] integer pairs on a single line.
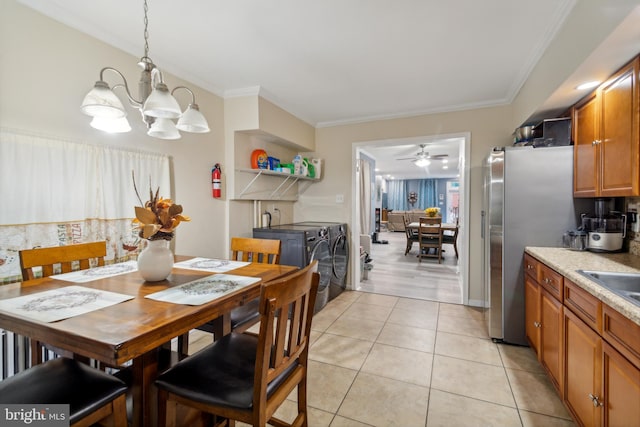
[[145, 371]]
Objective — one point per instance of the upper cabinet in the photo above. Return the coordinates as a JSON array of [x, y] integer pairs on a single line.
[[606, 138]]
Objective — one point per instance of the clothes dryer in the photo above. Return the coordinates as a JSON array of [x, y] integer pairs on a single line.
[[339, 249], [301, 245]]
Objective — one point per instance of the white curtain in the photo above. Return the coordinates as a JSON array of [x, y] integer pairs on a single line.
[[365, 196], [56, 192]]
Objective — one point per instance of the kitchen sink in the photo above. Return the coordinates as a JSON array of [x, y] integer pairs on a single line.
[[627, 285]]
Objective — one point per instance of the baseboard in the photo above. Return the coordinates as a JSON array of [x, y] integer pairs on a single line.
[[476, 303]]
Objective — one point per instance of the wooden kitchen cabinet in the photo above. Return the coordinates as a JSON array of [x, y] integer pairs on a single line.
[[590, 351], [551, 338], [583, 365], [543, 317], [606, 138], [621, 389]]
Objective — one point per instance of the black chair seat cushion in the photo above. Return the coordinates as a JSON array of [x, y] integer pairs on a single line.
[[63, 380], [245, 313], [239, 316], [219, 374]]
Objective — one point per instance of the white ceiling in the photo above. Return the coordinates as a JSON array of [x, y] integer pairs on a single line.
[[334, 61], [339, 61]]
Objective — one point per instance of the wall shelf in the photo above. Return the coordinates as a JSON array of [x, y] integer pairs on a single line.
[[287, 181]]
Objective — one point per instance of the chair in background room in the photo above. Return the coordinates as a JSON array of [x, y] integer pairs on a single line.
[[266, 251], [246, 377], [66, 257], [93, 396], [412, 235], [451, 237], [430, 238]]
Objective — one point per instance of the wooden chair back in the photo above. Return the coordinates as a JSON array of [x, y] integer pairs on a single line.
[[275, 360], [430, 237], [286, 311], [65, 256], [266, 251]]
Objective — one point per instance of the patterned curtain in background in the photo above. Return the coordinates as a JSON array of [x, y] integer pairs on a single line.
[[70, 192]]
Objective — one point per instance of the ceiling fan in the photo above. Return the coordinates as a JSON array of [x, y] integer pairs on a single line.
[[423, 158]]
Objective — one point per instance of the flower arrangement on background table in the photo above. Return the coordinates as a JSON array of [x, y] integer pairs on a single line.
[[432, 211]]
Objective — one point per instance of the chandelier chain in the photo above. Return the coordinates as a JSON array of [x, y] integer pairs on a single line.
[[146, 30]]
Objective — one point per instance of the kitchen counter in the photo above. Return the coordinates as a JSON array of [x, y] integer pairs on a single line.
[[566, 262]]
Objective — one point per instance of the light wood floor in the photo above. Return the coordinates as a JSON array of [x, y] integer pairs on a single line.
[[398, 275]]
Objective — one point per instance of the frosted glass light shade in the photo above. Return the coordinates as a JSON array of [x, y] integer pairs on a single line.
[[161, 103], [102, 102], [422, 162], [111, 125], [192, 120], [163, 129]]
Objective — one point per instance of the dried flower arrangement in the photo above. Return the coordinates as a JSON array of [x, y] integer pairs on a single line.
[[157, 218]]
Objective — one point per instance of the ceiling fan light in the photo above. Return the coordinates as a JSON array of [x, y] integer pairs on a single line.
[[192, 120], [102, 102], [422, 162], [161, 104], [163, 129]]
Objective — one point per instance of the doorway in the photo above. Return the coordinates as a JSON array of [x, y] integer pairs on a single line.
[[365, 149]]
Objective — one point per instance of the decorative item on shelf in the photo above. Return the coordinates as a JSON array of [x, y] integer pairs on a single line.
[[156, 104], [156, 219], [259, 159], [413, 198], [431, 212]]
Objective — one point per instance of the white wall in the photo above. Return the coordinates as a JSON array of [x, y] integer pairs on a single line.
[[47, 68]]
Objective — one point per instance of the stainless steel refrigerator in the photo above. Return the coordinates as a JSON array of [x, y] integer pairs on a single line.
[[528, 201]]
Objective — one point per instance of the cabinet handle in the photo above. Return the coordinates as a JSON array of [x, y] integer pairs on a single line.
[[547, 280], [537, 324], [529, 266], [596, 142], [595, 400]]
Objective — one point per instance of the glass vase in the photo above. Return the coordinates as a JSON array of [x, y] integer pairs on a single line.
[[155, 261]]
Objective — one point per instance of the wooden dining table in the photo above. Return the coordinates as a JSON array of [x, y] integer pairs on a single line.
[[443, 226], [134, 330]]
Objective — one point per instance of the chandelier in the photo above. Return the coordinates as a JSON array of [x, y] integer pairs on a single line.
[[156, 104]]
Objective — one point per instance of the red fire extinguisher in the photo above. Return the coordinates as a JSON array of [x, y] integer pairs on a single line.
[[215, 181]]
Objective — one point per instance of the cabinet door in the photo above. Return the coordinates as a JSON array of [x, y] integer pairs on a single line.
[[532, 312], [582, 370], [585, 123], [551, 353], [619, 133], [621, 389]]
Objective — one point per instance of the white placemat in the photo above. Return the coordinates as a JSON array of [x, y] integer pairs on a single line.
[[81, 276], [58, 304], [203, 290], [210, 265]]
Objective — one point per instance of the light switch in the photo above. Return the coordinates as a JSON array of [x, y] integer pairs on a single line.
[[339, 198]]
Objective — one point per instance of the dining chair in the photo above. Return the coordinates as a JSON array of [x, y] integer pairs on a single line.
[[430, 237], [246, 377], [69, 257], [451, 239], [65, 256], [266, 251], [411, 233], [93, 396]]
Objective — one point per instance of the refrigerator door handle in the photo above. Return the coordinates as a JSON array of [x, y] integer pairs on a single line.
[[482, 219]]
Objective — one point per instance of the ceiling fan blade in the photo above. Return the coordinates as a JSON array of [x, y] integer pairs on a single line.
[[439, 156], [406, 158]]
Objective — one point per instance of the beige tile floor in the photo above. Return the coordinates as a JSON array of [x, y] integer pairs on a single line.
[[379, 360]]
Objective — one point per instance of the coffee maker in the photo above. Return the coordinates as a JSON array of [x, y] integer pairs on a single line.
[[606, 228]]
